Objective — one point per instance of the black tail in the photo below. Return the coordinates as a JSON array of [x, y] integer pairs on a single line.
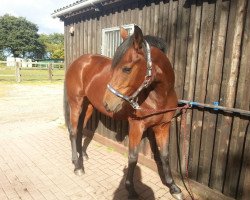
[[66, 107]]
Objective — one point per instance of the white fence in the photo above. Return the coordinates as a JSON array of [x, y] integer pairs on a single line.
[[18, 66]]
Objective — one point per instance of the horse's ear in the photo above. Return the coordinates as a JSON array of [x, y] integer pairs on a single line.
[[138, 38], [124, 33]]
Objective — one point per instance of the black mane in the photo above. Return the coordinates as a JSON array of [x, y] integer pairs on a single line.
[[156, 42], [152, 41]]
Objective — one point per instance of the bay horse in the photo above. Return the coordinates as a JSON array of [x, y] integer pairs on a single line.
[[139, 80]]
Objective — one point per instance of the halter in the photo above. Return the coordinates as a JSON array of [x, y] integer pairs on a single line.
[[133, 99]]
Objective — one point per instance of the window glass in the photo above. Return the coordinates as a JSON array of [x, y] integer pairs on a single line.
[[111, 39]]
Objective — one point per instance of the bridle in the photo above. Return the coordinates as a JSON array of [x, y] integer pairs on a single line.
[[133, 99]]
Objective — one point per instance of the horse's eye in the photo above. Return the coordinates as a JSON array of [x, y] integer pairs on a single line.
[[126, 69]]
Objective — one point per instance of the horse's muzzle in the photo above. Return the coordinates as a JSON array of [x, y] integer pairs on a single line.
[[114, 106]]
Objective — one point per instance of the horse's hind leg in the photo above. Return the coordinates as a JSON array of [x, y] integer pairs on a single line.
[[162, 140], [75, 105], [87, 139]]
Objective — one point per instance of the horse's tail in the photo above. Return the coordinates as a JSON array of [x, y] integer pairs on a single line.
[[66, 107]]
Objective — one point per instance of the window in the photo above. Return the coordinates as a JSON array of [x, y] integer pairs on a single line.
[[111, 39]]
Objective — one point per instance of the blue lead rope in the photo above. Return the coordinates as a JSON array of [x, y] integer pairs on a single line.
[[215, 106]]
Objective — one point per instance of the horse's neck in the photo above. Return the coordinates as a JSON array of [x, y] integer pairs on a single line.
[[157, 96], [161, 89]]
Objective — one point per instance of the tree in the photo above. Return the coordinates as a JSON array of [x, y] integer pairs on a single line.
[[54, 44], [2, 57], [19, 37]]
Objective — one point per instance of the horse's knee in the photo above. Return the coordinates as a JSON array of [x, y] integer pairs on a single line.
[[133, 157]]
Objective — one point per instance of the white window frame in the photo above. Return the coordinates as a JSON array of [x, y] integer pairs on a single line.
[[111, 39]]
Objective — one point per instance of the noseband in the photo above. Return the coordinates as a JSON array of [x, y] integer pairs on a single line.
[[133, 99]]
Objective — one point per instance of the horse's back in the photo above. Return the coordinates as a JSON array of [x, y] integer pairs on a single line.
[[87, 64], [82, 70]]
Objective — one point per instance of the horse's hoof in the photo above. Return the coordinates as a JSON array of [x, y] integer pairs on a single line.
[[79, 172], [178, 196]]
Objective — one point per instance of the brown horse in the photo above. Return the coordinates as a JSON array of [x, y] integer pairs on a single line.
[[137, 85]]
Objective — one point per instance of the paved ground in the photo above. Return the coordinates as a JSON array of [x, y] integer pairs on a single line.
[[35, 154]]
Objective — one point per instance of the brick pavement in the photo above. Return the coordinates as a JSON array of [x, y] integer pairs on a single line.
[[35, 156]]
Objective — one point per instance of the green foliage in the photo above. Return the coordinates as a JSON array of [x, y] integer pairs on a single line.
[[54, 44], [19, 37], [2, 56]]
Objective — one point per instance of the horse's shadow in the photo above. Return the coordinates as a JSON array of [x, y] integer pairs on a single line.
[[144, 191]]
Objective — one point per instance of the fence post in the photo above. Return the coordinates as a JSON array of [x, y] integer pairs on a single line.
[[50, 71], [18, 74]]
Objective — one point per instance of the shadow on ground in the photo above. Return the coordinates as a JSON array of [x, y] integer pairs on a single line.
[[144, 191]]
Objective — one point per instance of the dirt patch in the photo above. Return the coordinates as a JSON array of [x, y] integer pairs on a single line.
[[4, 89], [31, 102]]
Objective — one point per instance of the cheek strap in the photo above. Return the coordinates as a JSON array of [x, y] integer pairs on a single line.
[[133, 99]]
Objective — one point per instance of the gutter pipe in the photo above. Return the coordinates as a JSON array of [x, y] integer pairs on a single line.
[[79, 6]]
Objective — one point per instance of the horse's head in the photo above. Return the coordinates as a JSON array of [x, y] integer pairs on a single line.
[[129, 68]]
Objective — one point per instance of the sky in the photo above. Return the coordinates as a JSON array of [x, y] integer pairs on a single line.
[[36, 11]]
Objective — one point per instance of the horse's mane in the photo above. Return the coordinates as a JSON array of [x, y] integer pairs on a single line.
[[156, 42], [152, 41]]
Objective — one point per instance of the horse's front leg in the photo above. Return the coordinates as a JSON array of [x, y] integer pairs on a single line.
[[162, 140], [136, 130]]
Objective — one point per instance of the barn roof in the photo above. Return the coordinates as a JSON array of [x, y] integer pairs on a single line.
[[81, 6], [77, 5]]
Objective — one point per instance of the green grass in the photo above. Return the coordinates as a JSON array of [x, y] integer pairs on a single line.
[[110, 149], [30, 75]]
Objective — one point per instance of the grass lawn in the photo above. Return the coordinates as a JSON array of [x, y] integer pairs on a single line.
[[30, 75]]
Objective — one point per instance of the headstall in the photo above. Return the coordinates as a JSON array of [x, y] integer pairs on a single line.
[[133, 99]]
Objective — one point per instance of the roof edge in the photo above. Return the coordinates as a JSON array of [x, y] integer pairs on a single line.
[[75, 7]]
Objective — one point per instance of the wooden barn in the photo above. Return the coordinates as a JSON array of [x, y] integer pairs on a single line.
[[209, 48]]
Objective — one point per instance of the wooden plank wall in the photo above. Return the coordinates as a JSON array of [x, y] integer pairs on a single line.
[[209, 48]]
